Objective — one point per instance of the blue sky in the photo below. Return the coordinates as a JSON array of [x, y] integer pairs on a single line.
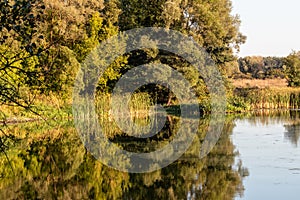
[[272, 27]]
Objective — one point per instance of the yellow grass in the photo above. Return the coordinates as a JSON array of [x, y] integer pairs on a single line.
[[266, 94], [259, 83]]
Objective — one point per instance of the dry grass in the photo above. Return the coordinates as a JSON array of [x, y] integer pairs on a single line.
[[259, 83], [265, 94]]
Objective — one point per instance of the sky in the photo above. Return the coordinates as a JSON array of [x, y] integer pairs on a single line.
[[272, 27]]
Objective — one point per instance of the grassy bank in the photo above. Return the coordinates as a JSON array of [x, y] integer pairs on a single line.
[[246, 99], [54, 107], [252, 96], [44, 107]]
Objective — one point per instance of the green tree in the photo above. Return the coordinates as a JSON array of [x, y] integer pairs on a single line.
[[20, 46], [292, 63], [42, 43], [262, 67], [210, 23]]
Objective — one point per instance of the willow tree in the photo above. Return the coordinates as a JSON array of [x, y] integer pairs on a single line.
[[209, 23]]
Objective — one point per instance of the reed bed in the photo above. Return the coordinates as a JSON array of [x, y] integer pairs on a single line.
[[270, 98], [139, 104], [41, 107], [139, 107]]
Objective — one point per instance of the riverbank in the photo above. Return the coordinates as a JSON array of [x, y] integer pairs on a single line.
[[44, 108], [264, 94], [245, 96]]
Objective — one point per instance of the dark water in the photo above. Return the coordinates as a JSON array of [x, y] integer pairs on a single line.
[[256, 157]]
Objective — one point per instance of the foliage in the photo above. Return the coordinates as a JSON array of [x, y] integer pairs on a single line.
[[210, 23], [20, 46], [42, 43], [292, 63], [262, 67]]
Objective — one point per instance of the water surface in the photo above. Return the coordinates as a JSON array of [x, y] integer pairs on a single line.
[[256, 157], [268, 147]]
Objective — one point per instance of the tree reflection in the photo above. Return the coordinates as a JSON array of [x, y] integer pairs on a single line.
[[55, 165], [212, 177], [292, 133]]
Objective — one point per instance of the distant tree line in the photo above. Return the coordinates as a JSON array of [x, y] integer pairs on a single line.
[[262, 67], [270, 67]]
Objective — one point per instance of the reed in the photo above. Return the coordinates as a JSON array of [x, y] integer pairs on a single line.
[[139, 107], [270, 98], [139, 104], [41, 106]]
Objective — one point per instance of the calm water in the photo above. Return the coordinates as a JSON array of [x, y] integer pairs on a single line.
[[256, 157], [268, 147]]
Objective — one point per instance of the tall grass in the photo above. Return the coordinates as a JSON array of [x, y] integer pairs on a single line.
[[42, 106], [139, 107], [139, 104], [269, 98]]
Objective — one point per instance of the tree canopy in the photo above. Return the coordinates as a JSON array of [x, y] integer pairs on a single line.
[[210, 23], [292, 63], [43, 42]]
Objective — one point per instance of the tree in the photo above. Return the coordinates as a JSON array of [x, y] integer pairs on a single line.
[[292, 63], [42, 43], [210, 23], [20, 45], [262, 67]]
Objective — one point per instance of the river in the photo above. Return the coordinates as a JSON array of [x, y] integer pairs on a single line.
[[256, 157]]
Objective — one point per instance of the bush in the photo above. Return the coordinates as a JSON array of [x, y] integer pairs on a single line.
[[292, 63]]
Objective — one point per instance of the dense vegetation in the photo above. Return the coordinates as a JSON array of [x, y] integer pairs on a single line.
[[261, 67], [293, 69], [43, 42], [258, 67]]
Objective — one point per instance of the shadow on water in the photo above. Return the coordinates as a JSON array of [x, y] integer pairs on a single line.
[[292, 133], [52, 163]]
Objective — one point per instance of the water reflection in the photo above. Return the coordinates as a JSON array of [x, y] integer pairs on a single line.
[[53, 164], [266, 144], [270, 117], [213, 177], [292, 133], [289, 118], [293, 128]]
